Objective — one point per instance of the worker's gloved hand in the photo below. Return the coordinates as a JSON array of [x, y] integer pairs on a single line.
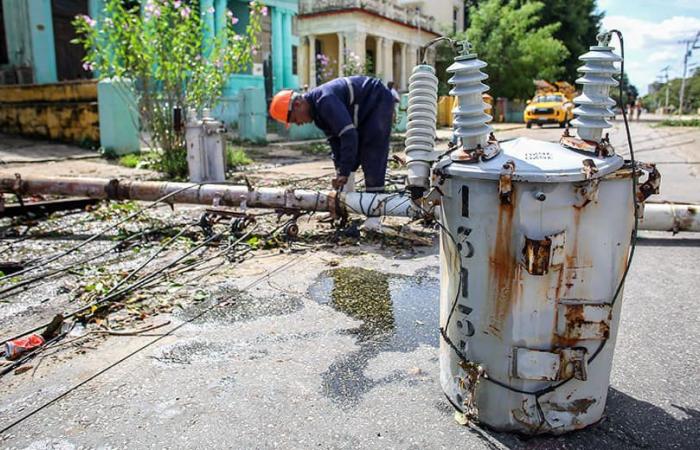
[[339, 182]]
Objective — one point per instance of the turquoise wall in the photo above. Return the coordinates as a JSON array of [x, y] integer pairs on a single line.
[[119, 123], [29, 31]]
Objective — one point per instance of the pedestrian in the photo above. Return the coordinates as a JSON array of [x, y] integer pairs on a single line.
[[355, 113], [638, 107]]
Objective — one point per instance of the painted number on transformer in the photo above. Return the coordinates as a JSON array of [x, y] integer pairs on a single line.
[[537, 155]]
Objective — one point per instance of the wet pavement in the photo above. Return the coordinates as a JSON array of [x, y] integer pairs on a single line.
[[295, 362], [338, 349]]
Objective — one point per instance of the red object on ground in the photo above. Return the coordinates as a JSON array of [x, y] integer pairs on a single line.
[[15, 349]]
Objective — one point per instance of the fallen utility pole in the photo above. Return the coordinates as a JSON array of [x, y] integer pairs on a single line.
[[340, 204], [673, 217], [657, 216]]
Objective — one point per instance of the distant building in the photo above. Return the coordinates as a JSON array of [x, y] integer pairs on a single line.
[[448, 14], [35, 49], [383, 33], [654, 87]]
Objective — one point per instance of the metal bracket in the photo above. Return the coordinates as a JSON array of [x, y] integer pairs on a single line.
[[112, 189], [505, 183], [558, 364], [587, 191], [539, 255], [652, 183], [17, 184], [583, 321]]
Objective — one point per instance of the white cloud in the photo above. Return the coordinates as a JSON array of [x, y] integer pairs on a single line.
[[650, 46], [642, 34]]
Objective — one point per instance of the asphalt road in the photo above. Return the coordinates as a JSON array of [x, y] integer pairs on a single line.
[[280, 365]]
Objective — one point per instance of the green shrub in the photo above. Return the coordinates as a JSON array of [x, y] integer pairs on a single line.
[[236, 157], [680, 123], [131, 160]]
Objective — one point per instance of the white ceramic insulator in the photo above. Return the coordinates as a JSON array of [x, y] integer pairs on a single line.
[[593, 105], [470, 120], [422, 123]]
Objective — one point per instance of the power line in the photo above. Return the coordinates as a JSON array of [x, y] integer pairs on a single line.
[[690, 45]]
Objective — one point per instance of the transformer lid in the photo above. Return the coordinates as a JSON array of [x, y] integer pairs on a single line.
[[538, 162]]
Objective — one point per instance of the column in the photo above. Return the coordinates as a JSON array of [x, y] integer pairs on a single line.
[[287, 49], [341, 53], [42, 43], [209, 27], [379, 58], [404, 79], [312, 61], [388, 60], [412, 60], [219, 17], [277, 50], [356, 42]]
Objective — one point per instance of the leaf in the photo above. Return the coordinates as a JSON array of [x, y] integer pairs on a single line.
[[200, 295]]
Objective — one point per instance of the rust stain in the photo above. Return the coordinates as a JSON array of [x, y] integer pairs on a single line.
[[503, 267], [536, 255]]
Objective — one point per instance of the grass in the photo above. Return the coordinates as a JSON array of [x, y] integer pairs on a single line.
[[237, 157], [680, 123], [317, 148], [131, 160]]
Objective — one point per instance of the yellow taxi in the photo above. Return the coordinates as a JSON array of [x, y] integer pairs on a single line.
[[552, 107]]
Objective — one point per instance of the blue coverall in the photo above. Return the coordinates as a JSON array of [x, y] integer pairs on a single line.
[[356, 113]]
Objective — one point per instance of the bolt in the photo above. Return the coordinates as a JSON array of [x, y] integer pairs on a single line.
[[540, 196]]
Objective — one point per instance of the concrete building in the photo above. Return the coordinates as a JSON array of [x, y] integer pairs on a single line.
[[448, 14], [382, 33], [37, 61]]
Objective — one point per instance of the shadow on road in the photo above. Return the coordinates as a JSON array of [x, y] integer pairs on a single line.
[[628, 423], [668, 242]]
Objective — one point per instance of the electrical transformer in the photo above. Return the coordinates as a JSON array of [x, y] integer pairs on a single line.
[[534, 249]]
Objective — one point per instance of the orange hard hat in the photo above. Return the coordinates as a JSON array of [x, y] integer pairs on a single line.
[[281, 105]]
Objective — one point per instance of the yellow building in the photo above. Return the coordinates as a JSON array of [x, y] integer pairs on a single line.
[[387, 34], [448, 14]]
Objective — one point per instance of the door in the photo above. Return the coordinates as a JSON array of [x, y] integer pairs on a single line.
[[69, 57]]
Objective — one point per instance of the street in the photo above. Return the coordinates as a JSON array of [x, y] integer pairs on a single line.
[[270, 358]]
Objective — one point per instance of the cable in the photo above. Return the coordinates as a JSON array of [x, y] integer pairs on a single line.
[[138, 350], [49, 273], [112, 227]]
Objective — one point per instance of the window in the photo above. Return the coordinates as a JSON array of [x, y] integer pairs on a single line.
[[548, 98], [69, 57], [295, 61], [455, 19], [3, 43]]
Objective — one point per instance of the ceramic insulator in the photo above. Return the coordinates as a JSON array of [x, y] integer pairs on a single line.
[[470, 120], [422, 123], [593, 105]]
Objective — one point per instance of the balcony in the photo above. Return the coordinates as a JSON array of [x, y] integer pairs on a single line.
[[385, 8]]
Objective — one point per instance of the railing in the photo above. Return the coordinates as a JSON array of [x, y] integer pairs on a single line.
[[385, 8]]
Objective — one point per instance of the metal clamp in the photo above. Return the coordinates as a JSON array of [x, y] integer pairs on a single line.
[[505, 183], [652, 183]]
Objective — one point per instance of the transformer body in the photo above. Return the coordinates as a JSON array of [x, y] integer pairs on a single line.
[[206, 148], [535, 244]]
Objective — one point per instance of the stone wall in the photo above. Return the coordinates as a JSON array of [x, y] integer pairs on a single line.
[[61, 111]]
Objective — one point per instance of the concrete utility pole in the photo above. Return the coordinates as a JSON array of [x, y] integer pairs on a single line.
[[690, 45], [665, 72]]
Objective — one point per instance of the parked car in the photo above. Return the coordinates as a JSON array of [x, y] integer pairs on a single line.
[[553, 107]]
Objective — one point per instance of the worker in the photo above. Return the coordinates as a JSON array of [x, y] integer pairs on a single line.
[[355, 113]]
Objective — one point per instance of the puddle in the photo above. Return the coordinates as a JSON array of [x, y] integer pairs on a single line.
[[398, 314]]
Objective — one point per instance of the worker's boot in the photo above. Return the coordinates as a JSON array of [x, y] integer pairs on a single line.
[[350, 185]]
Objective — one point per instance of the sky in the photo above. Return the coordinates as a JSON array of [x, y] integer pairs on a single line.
[[652, 29]]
